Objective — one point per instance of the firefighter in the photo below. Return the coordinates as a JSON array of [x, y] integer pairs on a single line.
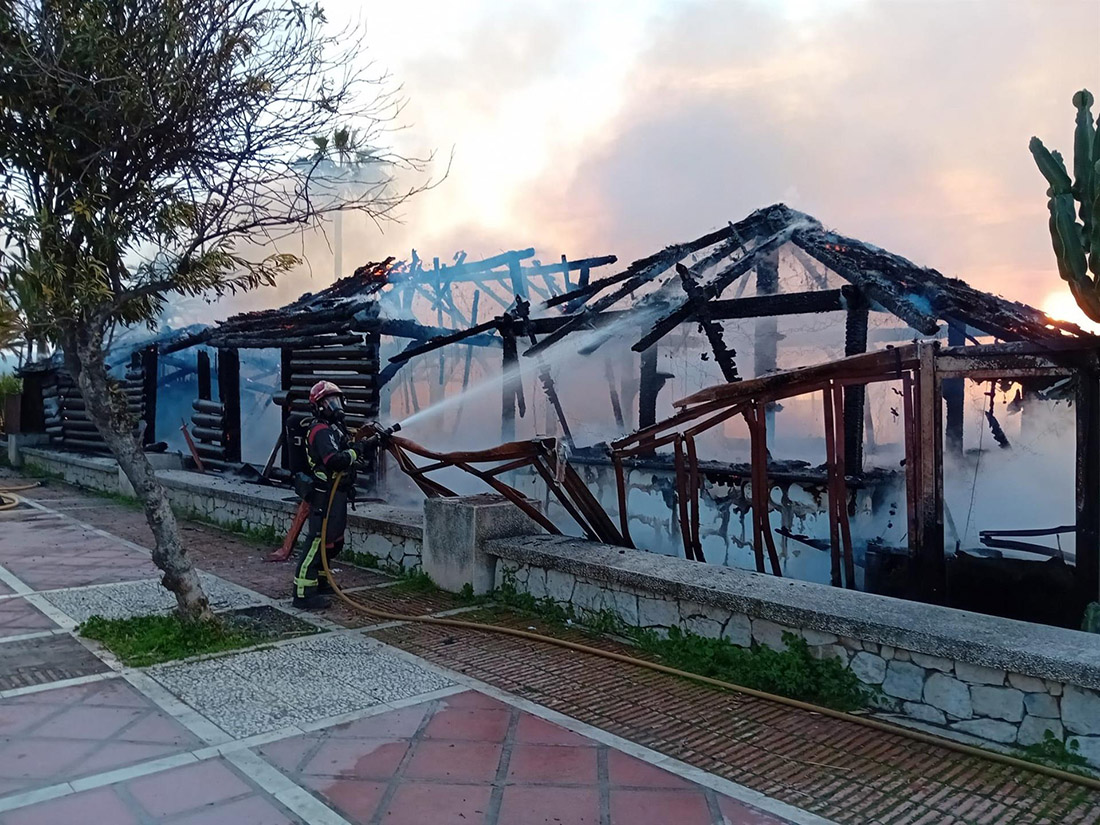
[[329, 450]]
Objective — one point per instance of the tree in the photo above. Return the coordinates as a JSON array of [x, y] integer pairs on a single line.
[[155, 147], [1076, 245]]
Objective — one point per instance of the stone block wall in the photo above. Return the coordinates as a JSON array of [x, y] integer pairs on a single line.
[[997, 705], [91, 472]]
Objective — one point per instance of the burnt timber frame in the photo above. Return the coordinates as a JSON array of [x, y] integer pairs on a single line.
[[922, 368], [540, 454]]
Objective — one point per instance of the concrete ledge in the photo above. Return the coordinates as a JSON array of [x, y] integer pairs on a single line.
[[1020, 647]]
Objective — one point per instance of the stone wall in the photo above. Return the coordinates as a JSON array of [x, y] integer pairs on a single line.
[[388, 533], [90, 472], [995, 679]]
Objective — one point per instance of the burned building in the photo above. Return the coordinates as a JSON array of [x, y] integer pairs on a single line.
[[768, 371]]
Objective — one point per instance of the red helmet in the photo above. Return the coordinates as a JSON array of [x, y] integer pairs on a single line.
[[322, 390]]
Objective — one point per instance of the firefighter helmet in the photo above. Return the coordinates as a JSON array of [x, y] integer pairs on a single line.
[[322, 390]]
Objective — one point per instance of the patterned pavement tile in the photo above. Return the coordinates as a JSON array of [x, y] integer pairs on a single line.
[[18, 616], [141, 598], [208, 793], [58, 735], [40, 661], [263, 690], [456, 760]]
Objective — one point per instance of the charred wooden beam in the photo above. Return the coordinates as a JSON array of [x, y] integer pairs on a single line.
[[648, 388], [510, 394], [954, 393], [791, 303], [712, 329], [855, 395], [205, 389], [229, 391]]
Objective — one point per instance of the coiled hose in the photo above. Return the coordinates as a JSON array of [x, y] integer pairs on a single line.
[[8, 499], [867, 722]]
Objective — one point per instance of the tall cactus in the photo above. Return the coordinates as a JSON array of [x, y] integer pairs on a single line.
[[1076, 244]]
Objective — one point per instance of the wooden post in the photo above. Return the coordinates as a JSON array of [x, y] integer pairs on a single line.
[[508, 379], [149, 366], [519, 283], [204, 375], [855, 395], [648, 387], [954, 393], [1088, 483], [765, 349], [229, 393], [928, 542]]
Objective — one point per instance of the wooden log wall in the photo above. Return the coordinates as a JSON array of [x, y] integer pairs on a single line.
[[66, 421], [353, 367], [216, 425]]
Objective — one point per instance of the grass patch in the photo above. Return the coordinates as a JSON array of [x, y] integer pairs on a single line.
[[149, 640], [793, 672], [415, 580], [265, 536], [367, 561], [1055, 753]]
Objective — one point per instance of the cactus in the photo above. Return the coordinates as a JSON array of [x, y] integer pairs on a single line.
[[1076, 243]]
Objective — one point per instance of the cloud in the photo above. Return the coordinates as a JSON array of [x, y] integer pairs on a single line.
[[905, 124]]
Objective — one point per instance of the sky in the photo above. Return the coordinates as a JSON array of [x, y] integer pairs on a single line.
[[590, 127]]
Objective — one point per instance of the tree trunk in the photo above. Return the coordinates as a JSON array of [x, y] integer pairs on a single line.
[[106, 407]]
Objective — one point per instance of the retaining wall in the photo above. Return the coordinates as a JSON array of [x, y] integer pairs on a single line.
[[996, 679]]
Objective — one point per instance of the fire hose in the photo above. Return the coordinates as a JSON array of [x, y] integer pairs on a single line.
[[9, 501], [875, 724]]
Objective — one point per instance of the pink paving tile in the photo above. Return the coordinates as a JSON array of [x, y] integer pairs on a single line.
[[554, 764], [18, 616], [254, 810], [65, 733], [287, 754], [550, 806], [355, 800], [659, 808], [532, 730], [454, 761], [38, 762], [470, 724], [626, 770], [397, 724], [415, 804], [737, 813], [360, 758], [90, 723], [187, 788], [98, 806]]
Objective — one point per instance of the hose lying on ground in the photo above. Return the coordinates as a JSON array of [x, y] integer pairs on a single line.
[[876, 724], [8, 501]]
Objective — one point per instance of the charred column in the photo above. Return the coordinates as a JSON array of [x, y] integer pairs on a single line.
[[766, 340], [205, 389], [1088, 484], [954, 393], [508, 379], [229, 392], [286, 375], [648, 388], [855, 395]]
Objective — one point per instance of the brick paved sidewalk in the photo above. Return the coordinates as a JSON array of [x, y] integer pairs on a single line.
[[329, 729]]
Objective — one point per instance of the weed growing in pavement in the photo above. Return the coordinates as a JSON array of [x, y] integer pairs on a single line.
[[148, 640], [1055, 753], [415, 580], [792, 672]]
